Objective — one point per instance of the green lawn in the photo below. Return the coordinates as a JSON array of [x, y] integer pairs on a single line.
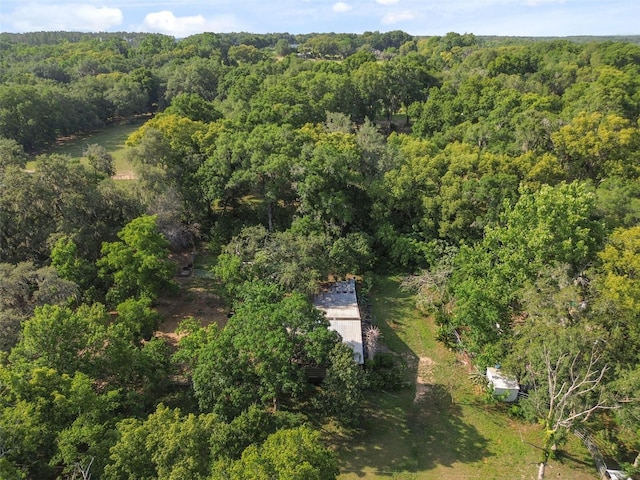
[[451, 432], [112, 138]]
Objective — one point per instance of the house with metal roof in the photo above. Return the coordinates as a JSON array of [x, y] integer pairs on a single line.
[[339, 302]]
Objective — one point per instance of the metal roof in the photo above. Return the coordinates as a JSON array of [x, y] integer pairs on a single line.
[[351, 333], [339, 303]]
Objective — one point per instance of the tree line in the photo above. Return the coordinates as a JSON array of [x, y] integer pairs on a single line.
[[502, 175]]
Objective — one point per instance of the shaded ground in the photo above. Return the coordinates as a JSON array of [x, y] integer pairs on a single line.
[[197, 298]]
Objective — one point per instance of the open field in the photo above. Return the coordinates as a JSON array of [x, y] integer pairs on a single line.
[[442, 428], [112, 138]]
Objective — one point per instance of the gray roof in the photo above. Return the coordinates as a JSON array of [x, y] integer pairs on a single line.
[[339, 303]]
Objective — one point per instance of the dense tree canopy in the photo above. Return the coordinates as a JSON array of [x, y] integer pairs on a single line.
[[502, 172]]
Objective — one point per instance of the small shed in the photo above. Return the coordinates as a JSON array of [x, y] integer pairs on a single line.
[[503, 386]]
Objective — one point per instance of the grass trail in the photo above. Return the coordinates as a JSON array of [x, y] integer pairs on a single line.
[[448, 431]]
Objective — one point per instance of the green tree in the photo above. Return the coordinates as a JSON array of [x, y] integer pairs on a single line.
[[198, 76], [126, 98], [343, 386], [245, 54], [166, 445], [272, 152], [11, 155], [23, 288], [616, 294], [352, 254], [137, 265], [289, 453], [262, 353], [193, 107], [296, 259], [618, 201], [551, 225], [224, 173], [139, 318], [100, 160], [282, 48], [60, 338], [621, 265], [62, 197], [627, 386], [329, 183], [595, 146], [372, 83], [39, 409], [66, 261]]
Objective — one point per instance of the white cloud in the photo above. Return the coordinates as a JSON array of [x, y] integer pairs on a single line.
[[387, 2], [69, 17], [180, 27], [397, 17], [341, 7]]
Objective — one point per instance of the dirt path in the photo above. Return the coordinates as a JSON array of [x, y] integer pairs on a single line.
[[424, 377]]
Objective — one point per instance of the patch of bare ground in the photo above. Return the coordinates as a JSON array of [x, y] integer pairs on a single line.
[[197, 298], [424, 377], [125, 176]]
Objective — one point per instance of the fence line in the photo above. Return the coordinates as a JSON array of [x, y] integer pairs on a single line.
[[591, 445]]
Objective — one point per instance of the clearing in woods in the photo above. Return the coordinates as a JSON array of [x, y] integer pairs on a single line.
[[111, 138], [441, 427], [197, 298]]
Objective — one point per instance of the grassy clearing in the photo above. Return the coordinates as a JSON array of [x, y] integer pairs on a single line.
[[451, 431], [112, 138]]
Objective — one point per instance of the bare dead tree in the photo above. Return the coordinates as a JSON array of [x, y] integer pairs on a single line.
[[430, 287], [575, 391], [371, 337], [82, 471]]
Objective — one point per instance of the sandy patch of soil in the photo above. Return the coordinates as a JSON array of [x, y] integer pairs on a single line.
[[125, 176], [424, 377], [197, 298]]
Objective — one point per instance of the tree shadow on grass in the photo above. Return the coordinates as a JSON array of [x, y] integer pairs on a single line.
[[402, 431], [565, 457], [440, 435], [402, 436]]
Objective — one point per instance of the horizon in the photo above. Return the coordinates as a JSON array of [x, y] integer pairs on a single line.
[[419, 18]]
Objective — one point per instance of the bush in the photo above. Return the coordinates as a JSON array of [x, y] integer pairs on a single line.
[[385, 372]]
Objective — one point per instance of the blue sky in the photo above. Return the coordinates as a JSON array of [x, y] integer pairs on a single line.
[[182, 18]]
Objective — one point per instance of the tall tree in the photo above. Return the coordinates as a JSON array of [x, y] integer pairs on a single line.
[[137, 265], [262, 353]]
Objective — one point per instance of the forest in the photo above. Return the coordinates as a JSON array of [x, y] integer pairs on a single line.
[[499, 177]]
